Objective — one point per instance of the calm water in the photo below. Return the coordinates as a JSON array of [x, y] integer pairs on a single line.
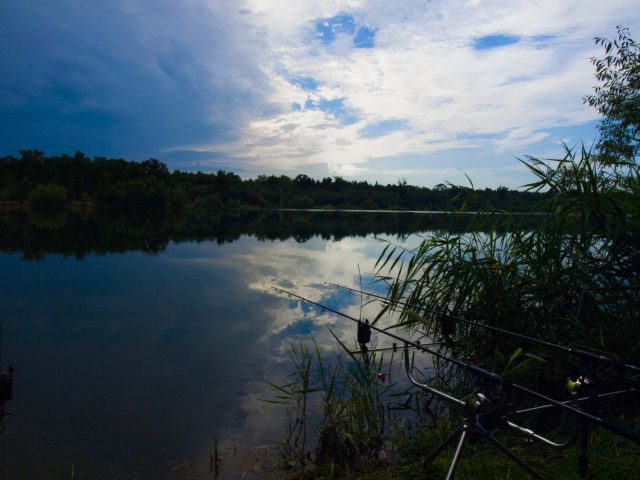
[[137, 341]]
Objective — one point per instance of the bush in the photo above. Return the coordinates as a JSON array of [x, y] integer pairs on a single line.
[[303, 201], [149, 193], [368, 204], [50, 195], [208, 202]]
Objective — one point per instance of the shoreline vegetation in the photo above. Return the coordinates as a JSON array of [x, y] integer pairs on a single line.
[[80, 183]]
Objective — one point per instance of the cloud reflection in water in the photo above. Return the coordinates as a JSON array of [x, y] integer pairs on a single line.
[[126, 363]]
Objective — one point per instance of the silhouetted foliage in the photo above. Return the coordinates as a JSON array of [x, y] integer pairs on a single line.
[[49, 195], [126, 185], [617, 97]]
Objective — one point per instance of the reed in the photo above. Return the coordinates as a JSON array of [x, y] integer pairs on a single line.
[[572, 280], [336, 409]]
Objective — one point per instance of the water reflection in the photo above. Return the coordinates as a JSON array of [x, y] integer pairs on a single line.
[[34, 235], [128, 365]]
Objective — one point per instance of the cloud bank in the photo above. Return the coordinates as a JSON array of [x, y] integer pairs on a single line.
[[357, 88]]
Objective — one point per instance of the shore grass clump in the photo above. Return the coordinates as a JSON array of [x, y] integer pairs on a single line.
[[336, 409]]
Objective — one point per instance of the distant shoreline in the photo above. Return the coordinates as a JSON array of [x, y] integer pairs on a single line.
[[418, 212], [117, 184], [77, 206]]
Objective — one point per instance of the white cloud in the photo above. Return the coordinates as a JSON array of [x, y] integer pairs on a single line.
[[425, 71], [519, 137]]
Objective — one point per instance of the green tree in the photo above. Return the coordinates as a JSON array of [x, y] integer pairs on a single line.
[[617, 97], [135, 194], [155, 168], [50, 195]]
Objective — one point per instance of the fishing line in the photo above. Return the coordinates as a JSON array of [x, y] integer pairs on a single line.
[[570, 350], [507, 384], [581, 399]]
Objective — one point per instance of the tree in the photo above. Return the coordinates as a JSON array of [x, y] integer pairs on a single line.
[[617, 97], [50, 195], [155, 168]]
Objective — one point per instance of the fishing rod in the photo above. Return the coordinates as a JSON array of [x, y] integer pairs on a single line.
[[570, 350], [507, 384], [394, 348], [577, 400]]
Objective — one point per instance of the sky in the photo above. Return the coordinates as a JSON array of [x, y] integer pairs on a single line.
[[423, 91]]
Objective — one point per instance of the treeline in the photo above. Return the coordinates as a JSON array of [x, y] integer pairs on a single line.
[[55, 181]]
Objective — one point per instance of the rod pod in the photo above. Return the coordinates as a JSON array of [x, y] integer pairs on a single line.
[[471, 428], [489, 376]]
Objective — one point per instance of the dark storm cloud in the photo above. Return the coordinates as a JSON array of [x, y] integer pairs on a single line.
[[125, 78]]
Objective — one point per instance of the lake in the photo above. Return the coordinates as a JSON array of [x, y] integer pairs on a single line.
[[138, 340]]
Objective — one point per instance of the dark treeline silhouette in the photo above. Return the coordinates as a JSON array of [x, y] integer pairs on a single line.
[[36, 234], [55, 181]]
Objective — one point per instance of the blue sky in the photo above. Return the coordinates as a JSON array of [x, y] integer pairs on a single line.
[[364, 89]]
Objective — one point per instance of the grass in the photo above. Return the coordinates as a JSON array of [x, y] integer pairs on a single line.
[[609, 458]]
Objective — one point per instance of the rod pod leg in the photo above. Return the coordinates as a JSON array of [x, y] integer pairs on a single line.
[[462, 431], [456, 456], [503, 448]]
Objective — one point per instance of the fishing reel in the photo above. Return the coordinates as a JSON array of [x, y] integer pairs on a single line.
[[476, 404], [485, 410]]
